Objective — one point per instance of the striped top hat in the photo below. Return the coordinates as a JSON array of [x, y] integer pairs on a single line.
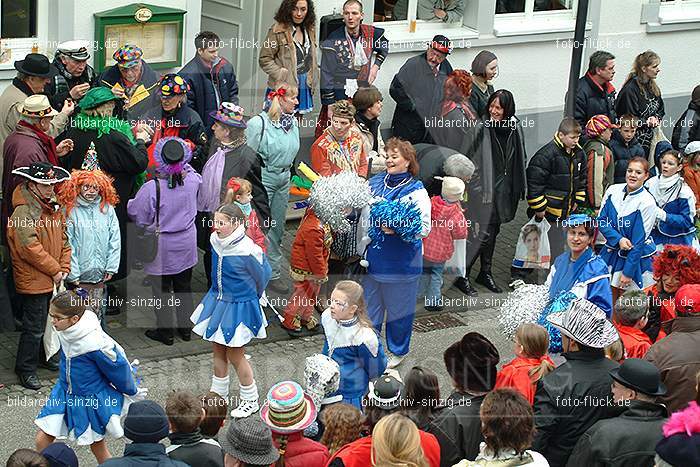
[[288, 409], [585, 323]]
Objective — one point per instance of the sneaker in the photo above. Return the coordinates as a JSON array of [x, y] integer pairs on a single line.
[[394, 361], [245, 409]]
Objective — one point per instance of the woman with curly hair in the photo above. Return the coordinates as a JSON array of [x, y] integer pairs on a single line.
[[343, 423], [93, 232], [641, 96], [508, 429], [674, 267], [396, 441], [288, 52]]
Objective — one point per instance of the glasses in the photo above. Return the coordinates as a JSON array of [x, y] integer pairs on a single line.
[[89, 188]]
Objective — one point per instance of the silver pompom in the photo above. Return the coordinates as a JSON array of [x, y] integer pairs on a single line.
[[330, 196], [523, 305], [364, 263]]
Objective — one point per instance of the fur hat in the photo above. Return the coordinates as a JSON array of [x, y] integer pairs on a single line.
[[452, 188], [471, 362]]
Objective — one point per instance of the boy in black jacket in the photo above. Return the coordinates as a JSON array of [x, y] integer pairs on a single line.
[[625, 146], [556, 181], [187, 444]]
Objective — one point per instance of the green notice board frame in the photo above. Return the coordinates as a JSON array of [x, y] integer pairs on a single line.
[[149, 17]]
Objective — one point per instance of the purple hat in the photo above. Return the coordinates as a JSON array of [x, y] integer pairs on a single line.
[[128, 55], [171, 154], [229, 114]]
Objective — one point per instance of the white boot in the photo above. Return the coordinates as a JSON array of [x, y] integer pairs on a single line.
[[220, 386], [249, 402]]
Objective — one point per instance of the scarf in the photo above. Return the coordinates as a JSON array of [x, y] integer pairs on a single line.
[[246, 208], [46, 140], [667, 188], [286, 122], [104, 126], [209, 195]]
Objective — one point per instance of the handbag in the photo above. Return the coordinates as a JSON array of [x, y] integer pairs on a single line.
[[145, 244]]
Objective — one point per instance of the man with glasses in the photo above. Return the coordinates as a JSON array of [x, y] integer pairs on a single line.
[[133, 81]]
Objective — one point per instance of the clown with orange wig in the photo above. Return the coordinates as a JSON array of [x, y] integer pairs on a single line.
[[93, 232]]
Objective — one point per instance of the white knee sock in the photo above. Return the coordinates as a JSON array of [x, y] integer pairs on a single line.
[[220, 386], [249, 393]]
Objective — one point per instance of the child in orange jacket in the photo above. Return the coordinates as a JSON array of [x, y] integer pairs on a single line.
[[630, 316], [530, 364]]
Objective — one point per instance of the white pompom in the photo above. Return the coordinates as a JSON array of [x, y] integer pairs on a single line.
[[366, 239], [364, 263]]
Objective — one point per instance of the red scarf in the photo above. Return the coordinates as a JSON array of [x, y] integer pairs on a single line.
[[48, 142]]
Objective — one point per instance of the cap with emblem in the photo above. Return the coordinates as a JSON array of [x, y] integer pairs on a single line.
[[76, 49]]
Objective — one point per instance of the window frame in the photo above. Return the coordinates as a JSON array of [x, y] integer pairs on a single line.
[[22, 46], [676, 15]]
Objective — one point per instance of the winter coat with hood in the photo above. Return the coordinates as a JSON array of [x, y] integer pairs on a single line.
[[36, 235], [687, 128], [556, 180], [559, 420], [418, 95], [628, 439], [593, 99], [209, 87], [448, 225], [677, 356], [278, 57], [622, 154], [22, 149], [195, 450], [94, 236]]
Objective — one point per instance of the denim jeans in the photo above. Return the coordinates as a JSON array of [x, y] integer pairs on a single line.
[[35, 310], [431, 283], [277, 187]]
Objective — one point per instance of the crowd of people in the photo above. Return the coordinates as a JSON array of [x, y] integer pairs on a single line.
[[123, 170]]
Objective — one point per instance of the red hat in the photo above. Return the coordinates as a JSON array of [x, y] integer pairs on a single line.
[[688, 299]]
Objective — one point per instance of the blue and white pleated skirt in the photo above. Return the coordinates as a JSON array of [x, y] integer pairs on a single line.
[[306, 99]]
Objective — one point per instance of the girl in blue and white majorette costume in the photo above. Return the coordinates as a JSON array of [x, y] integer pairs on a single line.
[[95, 382], [230, 315], [579, 270], [627, 217], [675, 214], [352, 342]]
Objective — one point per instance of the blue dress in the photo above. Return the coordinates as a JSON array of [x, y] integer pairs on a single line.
[[359, 353], [587, 277], [630, 215], [94, 380], [676, 214], [230, 312]]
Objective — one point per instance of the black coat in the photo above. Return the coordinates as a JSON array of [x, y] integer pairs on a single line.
[[186, 124], [418, 96], [195, 450], [60, 85], [246, 163], [202, 98], [508, 158], [625, 441], [458, 428], [143, 455], [569, 400], [480, 100], [431, 161], [622, 153], [592, 100], [556, 180], [145, 97], [633, 101], [687, 128]]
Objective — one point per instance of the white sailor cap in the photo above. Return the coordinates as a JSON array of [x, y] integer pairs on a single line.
[[75, 49]]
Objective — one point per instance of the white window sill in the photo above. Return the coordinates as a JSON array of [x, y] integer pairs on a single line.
[[674, 14], [12, 50], [401, 40], [506, 27]]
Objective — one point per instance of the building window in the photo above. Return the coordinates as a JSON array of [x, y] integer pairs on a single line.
[[532, 6], [433, 11], [18, 19]]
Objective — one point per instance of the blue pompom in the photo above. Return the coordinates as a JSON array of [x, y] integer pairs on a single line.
[[560, 303], [402, 218]]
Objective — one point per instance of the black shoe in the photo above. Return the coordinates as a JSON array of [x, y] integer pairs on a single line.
[[185, 334], [486, 279], [464, 286], [279, 286], [146, 282], [156, 335], [30, 382], [49, 365], [433, 308]]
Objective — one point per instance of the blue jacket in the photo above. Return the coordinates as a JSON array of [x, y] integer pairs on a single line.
[[622, 153], [209, 87], [95, 241], [143, 455]]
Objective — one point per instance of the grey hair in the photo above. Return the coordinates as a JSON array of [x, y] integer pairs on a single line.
[[21, 76], [458, 165], [631, 307]]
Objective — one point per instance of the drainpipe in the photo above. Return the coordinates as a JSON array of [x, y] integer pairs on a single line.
[[576, 56]]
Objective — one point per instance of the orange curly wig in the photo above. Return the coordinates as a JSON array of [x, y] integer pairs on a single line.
[[70, 189], [458, 86], [678, 259]]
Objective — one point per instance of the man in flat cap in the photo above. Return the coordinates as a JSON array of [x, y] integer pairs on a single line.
[[74, 77], [417, 89]]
